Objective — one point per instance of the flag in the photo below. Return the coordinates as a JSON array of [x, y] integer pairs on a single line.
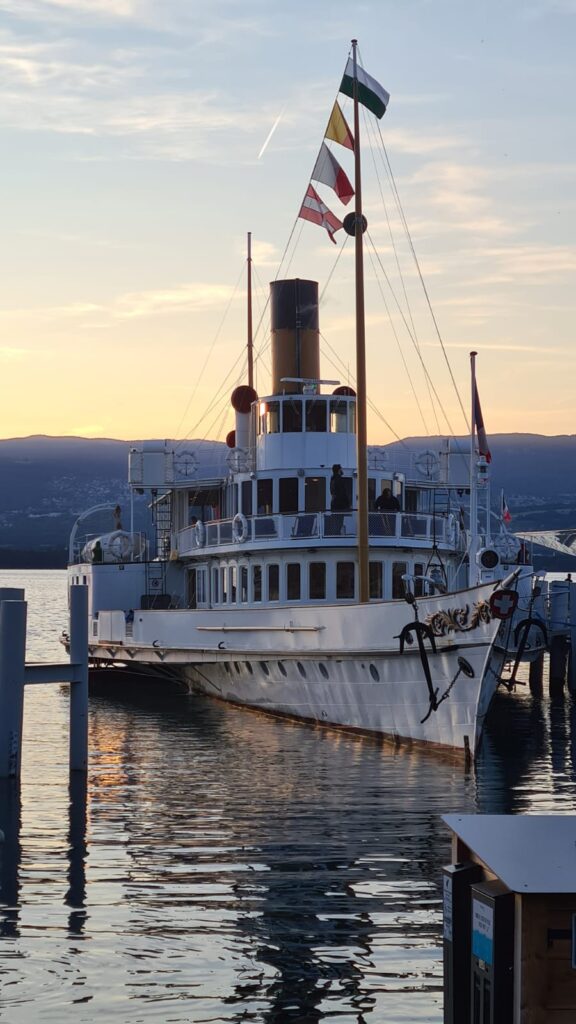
[[328, 171], [370, 92], [313, 209], [479, 425], [505, 513], [338, 130]]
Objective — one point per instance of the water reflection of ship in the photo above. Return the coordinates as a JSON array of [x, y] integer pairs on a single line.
[[528, 762], [311, 855]]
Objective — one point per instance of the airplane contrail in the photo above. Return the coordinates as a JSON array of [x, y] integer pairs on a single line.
[[271, 132]]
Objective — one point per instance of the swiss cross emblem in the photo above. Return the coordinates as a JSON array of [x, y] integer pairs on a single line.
[[503, 603]]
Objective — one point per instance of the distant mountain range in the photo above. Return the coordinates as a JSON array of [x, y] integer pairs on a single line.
[[46, 482]]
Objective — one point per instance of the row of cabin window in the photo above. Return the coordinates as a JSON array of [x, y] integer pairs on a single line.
[[315, 496], [315, 415], [234, 584]]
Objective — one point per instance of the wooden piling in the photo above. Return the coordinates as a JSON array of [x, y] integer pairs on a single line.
[[79, 685], [572, 638], [536, 675], [558, 660], [12, 667]]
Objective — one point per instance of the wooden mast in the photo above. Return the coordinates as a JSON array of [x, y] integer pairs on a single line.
[[250, 344], [361, 435]]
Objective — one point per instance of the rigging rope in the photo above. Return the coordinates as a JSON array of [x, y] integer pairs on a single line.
[[422, 282]]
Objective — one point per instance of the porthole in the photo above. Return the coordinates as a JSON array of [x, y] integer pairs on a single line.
[[301, 669], [374, 673], [282, 669], [264, 667], [323, 670]]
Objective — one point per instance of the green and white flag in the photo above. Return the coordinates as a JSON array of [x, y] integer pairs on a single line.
[[370, 92]]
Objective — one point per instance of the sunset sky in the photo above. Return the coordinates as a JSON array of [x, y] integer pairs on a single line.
[[142, 139]]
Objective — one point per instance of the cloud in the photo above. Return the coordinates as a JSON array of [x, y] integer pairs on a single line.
[[9, 354], [184, 298]]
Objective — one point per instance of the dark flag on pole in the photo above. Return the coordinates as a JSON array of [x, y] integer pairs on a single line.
[[480, 429]]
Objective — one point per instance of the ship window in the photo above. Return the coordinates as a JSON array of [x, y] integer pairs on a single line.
[[418, 583], [202, 585], [317, 581], [292, 416], [315, 494], [264, 500], [398, 571], [247, 497], [301, 669], [224, 584], [249, 668], [215, 576], [374, 673], [256, 582], [282, 669], [265, 668], [293, 581], [344, 580], [323, 670], [375, 578], [243, 583], [338, 416], [237, 667], [288, 494], [316, 415], [352, 417], [269, 417], [273, 582], [233, 582], [411, 499]]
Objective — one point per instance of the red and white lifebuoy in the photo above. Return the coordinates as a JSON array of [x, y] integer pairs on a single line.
[[240, 528]]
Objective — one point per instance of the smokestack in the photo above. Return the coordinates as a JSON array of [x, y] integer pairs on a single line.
[[295, 333]]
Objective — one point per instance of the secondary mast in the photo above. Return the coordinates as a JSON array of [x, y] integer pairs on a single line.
[[250, 341]]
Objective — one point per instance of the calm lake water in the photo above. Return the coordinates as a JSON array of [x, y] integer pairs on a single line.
[[227, 867]]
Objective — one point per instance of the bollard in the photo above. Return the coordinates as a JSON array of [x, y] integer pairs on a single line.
[[79, 687], [12, 668]]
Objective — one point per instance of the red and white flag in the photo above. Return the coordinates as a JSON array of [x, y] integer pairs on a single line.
[[328, 171], [505, 513], [315, 210], [480, 430]]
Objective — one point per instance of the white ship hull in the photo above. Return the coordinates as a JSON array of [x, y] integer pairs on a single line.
[[335, 666]]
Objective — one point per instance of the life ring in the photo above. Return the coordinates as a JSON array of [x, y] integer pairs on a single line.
[[199, 534], [427, 463], [240, 528]]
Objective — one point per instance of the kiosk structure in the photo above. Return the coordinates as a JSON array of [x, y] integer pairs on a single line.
[[510, 920]]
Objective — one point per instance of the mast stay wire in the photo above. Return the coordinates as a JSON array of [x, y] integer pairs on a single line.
[[420, 275], [400, 349], [209, 353], [340, 367], [403, 283], [436, 395]]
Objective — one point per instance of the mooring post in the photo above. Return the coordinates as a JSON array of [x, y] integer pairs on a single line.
[[572, 637], [536, 675], [12, 668], [79, 687]]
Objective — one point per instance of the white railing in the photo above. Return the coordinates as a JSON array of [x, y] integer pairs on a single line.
[[388, 528]]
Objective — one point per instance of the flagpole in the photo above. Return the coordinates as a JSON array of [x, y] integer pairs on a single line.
[[361, 436], [473, 548], [250, 343]]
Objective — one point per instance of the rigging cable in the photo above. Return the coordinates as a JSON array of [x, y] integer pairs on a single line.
[[210, 350], [436, 395], [422, 282], [401, 276]]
